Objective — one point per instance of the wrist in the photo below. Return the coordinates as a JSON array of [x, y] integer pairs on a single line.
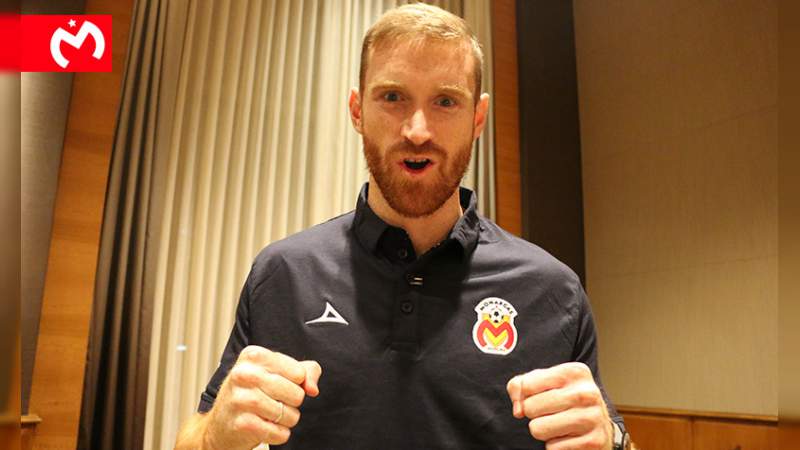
[[620, 439], [207, 441]]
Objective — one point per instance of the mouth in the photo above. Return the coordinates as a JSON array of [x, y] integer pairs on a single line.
[[416, 165]]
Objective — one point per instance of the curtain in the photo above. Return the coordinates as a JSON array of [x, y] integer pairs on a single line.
[[233, 133], [116, 381]]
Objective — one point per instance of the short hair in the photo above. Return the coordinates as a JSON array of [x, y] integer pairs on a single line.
[[420, 21]]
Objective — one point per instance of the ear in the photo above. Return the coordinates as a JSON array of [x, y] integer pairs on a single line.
[[481, 113], [355, 110]]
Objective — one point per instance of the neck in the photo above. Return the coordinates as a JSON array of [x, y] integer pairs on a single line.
[[424, 232]]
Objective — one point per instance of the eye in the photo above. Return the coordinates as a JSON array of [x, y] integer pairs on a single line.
[[446, 102], [391, 96]]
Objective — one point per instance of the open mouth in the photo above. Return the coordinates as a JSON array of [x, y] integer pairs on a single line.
[[416, 164]]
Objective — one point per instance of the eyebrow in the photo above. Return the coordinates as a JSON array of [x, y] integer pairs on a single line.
[[456, 91], [450, 89]]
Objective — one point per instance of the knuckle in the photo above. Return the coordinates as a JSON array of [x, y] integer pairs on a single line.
[[586, 396], [581, 369], [279, 435], [296, 397], [239, 400], [587, 421], [246, 424], [536, 430], [561, 379], [253, 352], [293, 420], [512, 383], [599, 417], [240, 375], [529, 409], [596, 442]]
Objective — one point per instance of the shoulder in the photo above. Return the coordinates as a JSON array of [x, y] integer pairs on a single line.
[[323, 241], [530, 265]]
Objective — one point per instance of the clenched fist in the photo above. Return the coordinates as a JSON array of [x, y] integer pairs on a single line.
[[565, 407], [259, 400]]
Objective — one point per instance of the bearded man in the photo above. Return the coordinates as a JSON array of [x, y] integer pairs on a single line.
[[434, 327]]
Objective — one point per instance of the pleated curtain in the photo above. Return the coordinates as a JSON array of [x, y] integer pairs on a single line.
[[234, 133]]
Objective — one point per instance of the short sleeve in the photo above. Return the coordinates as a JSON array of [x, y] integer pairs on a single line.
[[238, 340], [585, 351]]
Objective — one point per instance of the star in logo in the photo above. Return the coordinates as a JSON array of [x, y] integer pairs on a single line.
[[71, 23]]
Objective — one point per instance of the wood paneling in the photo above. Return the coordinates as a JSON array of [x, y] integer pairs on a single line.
[[9, 423], [67, 301], [506, 111], [29, 424], [659, 433], [668, 429], [789, 435], [685, 413], [716, 435]]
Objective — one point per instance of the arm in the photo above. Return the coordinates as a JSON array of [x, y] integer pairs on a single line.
[[257, 403], [566, 404], [190, 436]]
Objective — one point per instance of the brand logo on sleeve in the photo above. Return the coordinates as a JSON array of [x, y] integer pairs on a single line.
[[494, 331]]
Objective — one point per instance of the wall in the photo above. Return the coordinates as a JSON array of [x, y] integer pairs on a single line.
[[678, 128], [45, 100], [549, 138]]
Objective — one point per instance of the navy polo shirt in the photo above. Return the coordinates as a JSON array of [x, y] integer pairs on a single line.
[[416, 351]]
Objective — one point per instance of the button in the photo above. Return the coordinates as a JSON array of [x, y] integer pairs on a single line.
[[414, 280], [407, 307], [402, 253]]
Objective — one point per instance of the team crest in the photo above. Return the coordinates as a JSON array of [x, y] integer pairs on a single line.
[[494, 331]]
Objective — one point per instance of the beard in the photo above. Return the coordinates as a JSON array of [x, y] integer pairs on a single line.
[[417, 197]]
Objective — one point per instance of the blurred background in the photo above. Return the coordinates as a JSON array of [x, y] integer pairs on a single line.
[[637, 141]]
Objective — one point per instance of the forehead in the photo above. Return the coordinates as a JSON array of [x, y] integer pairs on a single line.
[[443, 62]]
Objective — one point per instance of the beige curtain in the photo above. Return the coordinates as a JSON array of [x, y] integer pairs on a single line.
[[260, 146]]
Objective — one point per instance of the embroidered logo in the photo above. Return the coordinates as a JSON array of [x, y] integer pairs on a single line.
[[494, 331], [330, 315]]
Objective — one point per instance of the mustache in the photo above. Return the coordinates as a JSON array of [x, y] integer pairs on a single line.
[[407, 147]]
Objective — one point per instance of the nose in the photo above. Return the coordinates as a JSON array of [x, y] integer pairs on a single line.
[[416, 128]]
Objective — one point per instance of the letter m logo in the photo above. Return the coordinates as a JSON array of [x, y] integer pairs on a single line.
[[77, 40]]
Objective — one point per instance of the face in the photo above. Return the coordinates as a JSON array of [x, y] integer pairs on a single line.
[[418, 119]]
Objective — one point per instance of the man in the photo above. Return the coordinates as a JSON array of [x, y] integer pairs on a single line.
[[434, 327]]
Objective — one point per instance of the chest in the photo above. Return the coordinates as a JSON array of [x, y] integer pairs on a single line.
[[413, 361]]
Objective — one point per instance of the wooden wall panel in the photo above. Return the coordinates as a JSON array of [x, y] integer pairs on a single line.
[[716, 435], [57, 387], [506, 111], [9, 424], [668, 429], [659, 433]]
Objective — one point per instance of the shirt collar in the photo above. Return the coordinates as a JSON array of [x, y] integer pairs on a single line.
[[369, 227]]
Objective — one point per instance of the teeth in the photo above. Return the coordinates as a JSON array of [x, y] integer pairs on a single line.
[[421, 160]]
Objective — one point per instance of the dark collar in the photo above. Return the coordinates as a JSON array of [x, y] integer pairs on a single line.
[[369, 228]]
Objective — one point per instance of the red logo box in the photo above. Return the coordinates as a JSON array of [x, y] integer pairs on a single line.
[[57, 43]]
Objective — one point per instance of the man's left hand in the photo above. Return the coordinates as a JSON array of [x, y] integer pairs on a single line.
[[566, 408]]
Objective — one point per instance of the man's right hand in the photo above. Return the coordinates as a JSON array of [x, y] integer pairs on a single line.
[[258, 402]]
